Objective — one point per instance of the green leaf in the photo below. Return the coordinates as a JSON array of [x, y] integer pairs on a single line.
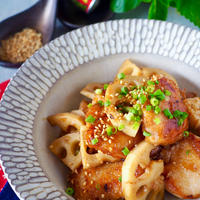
[[158, 9], [172, 3], [147, 1], [190, 9], [120, 6]]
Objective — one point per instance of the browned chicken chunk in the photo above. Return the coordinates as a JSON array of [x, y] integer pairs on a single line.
[[103, 182], [193, 106], [109, 143], [170, 128], [182, 169]]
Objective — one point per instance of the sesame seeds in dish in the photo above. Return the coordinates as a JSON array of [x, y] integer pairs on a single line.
[[122, 142]]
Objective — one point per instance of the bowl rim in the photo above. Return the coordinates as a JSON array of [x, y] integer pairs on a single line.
[[34, 63]]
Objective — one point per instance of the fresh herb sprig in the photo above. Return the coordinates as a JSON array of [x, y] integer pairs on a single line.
[[159, 8]]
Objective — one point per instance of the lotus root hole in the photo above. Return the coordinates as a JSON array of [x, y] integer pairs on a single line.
[[141, 191], [149, 196], [71, 129], [91, 150], [75, 148], [62, 153]]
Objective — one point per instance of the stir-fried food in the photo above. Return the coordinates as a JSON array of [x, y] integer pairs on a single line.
[[130, 140]]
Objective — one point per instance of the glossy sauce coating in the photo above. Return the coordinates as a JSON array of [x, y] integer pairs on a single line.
[[167, 131], [182, 169], [102, 182], [111, 145]]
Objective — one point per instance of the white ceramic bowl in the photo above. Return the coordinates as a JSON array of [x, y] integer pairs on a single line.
[[50, 81]]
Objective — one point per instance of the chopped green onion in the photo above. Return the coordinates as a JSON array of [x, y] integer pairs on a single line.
[[140, 112], [180, 121], [150, 83], [109, 130], [125, 151], [134, 94], [125, 109], [142, 89], [133, 110], [148, 107], [157, 110], [146, 134], [177, 113], [124, 91], [184, 115], [120, 179], [70, 191], [133, 87], [142, 99], [101, 103], [150, 88], [95, 141], [157, 120], [136, 125], [181, 116], [121, 76], [89, 105], [167, 92], [105, 86], [120, 96], [154, 101], [107, 103], [158, 94], [121, 127], [137, 118], [157, 82], [186, 133], [90, 119], [167, 113], [129, 117], [137, 107], [187, 152], [98, 187], [98, 91]]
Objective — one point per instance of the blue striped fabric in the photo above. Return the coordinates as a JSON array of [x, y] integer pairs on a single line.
[[7, 193]]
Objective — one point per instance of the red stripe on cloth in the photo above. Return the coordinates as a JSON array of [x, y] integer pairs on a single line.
[[2, 177]]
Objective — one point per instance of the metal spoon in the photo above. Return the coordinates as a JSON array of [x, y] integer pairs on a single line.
[[40, 17]]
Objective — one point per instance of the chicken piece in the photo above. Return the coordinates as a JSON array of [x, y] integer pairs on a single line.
[[113, 144], [182, 169], [187, 94], [167, 131], [103, 182], [193, 106]]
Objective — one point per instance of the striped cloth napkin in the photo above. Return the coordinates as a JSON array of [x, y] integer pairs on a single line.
[[6, 192]]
